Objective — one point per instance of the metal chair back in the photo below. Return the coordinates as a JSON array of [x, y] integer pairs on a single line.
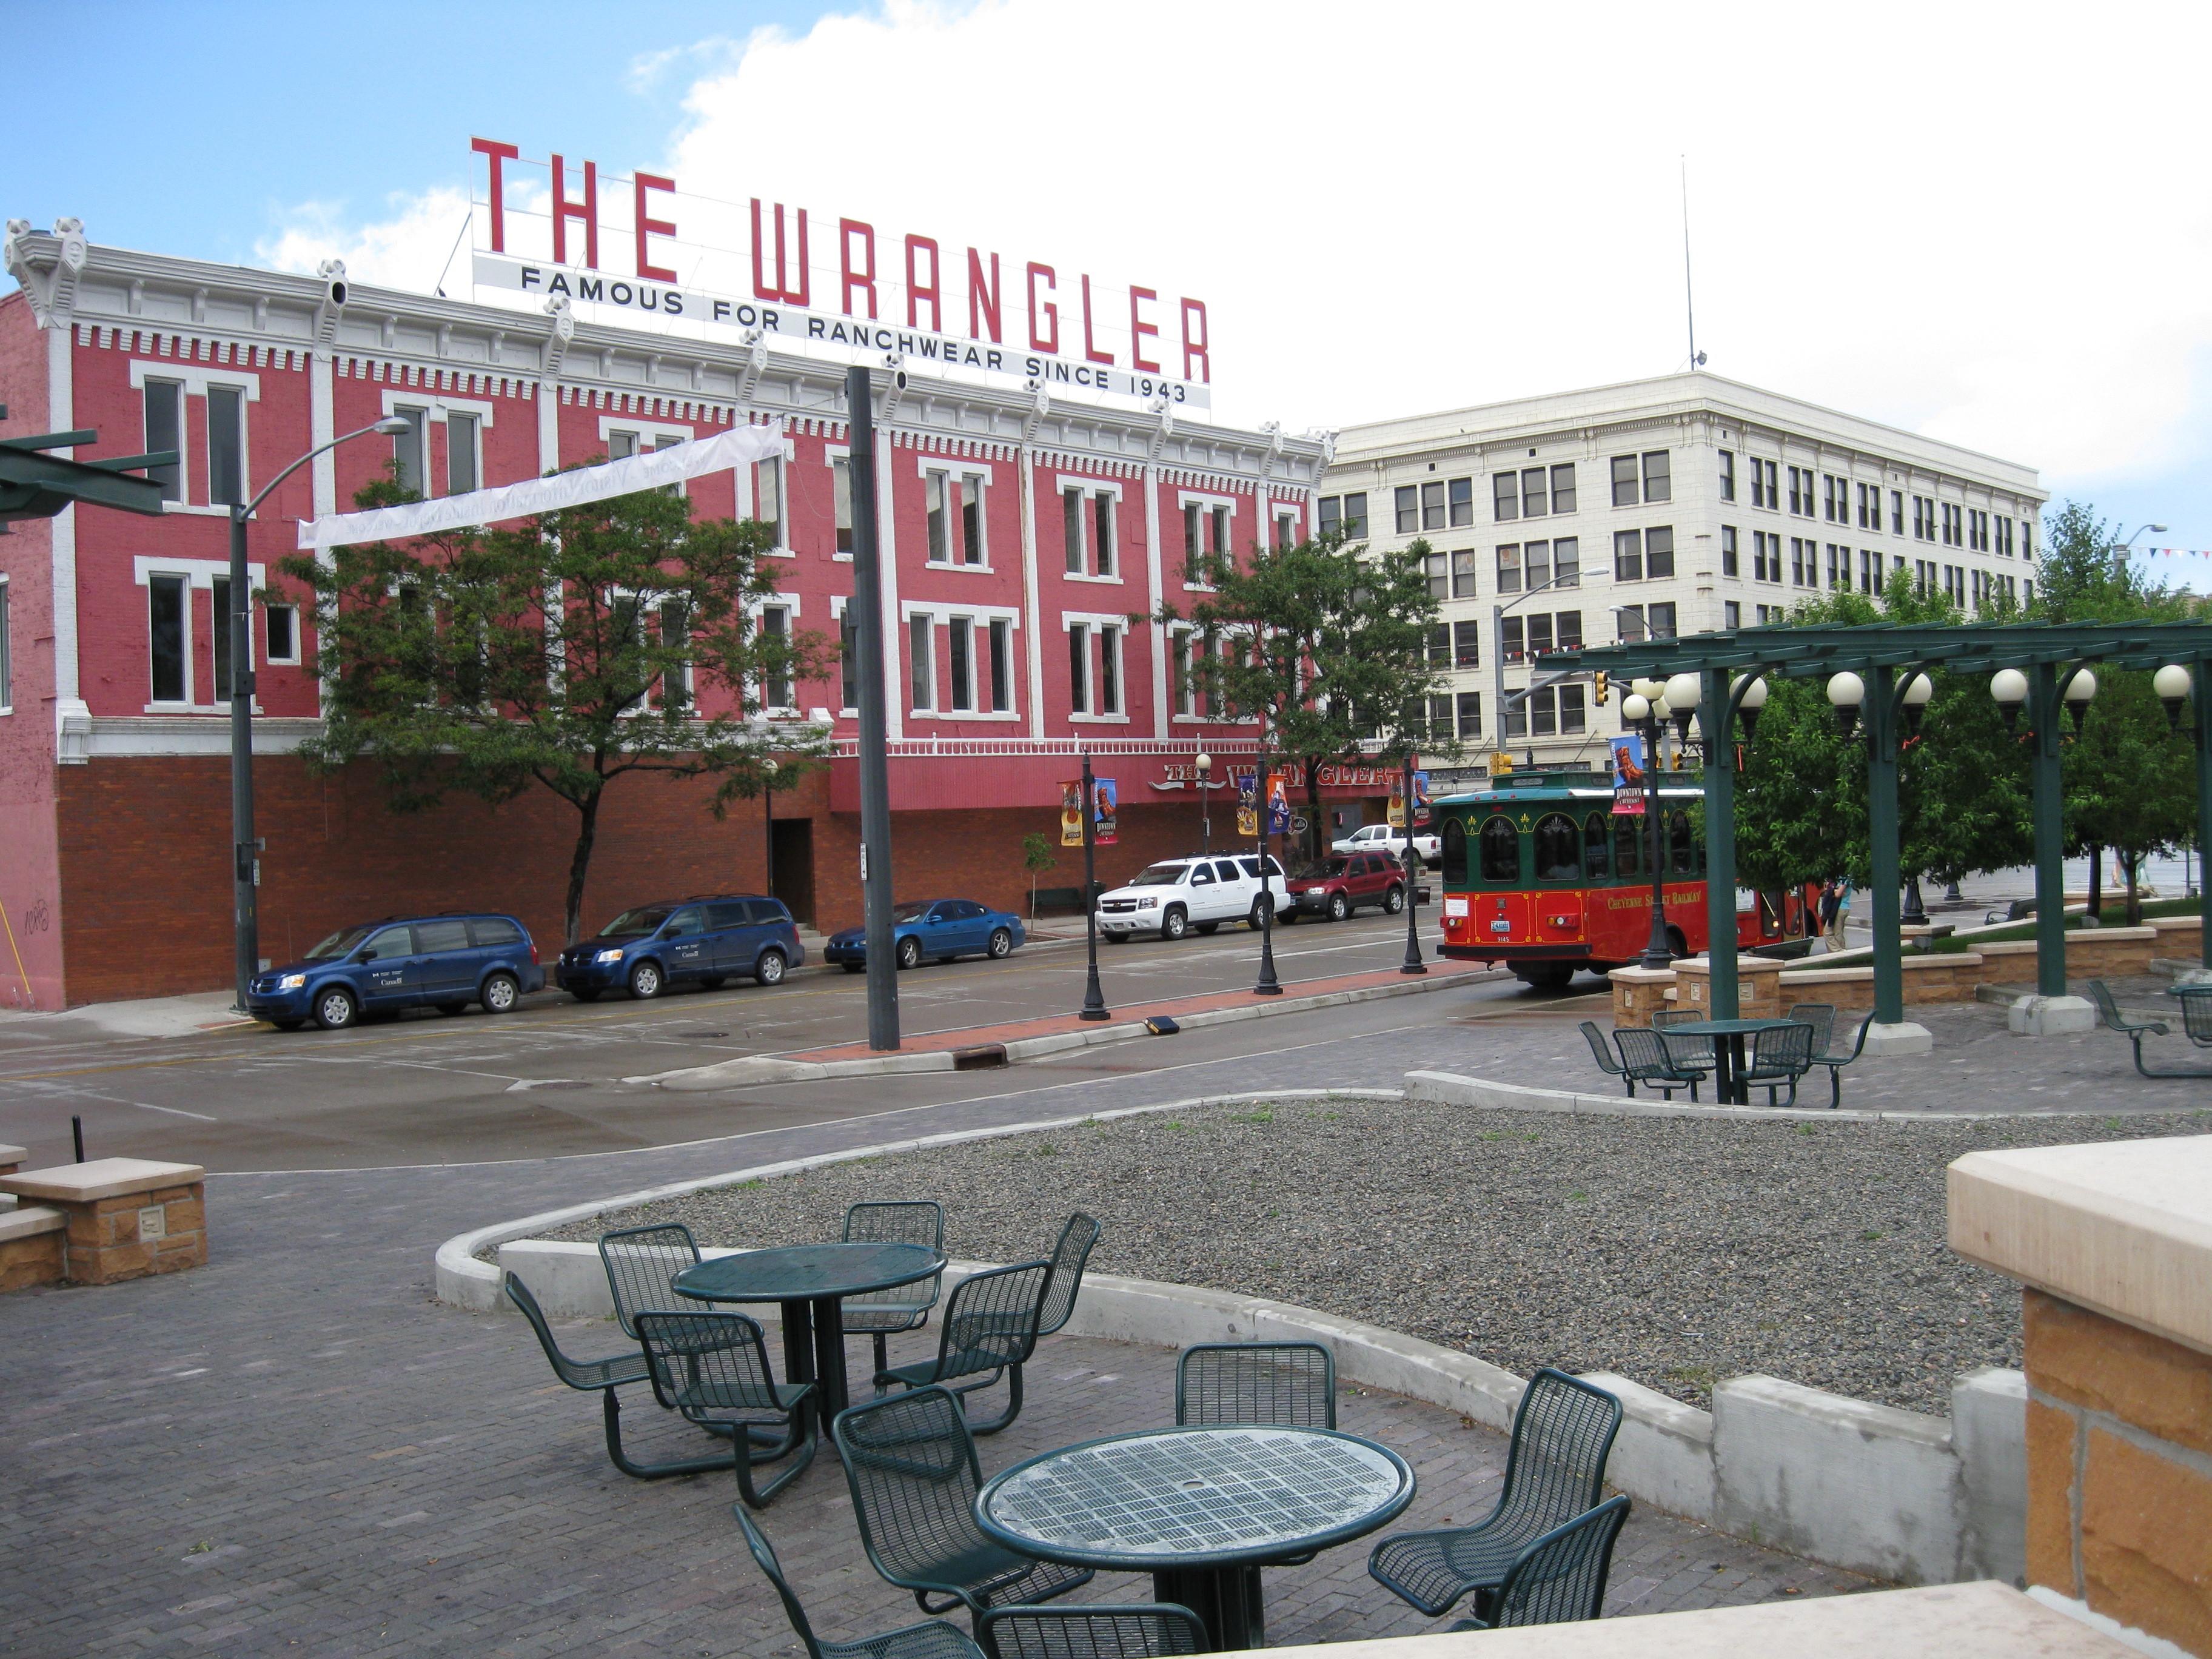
[[910, 1463], [2197, 1019], [991, 1320], [1563, 1432], [764, 1559], [1644, 1057], [904, 1221], [1068, 1255], [1782, 1050], [642, 1263], [1821, 1016], [1600, 1050], [1093, 1631], [1284, 1385], [2108, 1007], [712, 1366], [1684, 1053], [1560, 1578], [628, 1366]]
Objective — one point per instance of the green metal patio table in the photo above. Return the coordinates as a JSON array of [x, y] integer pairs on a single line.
[[1202, 1509], [1728, 1036], [810, 1282]]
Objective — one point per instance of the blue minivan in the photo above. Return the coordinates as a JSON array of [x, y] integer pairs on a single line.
[[444, 963], [703, 941]]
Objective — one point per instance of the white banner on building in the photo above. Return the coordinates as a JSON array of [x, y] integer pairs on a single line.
[[921, 347], [737, 447]]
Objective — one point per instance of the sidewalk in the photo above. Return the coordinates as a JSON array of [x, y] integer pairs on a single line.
[[148, 1017]]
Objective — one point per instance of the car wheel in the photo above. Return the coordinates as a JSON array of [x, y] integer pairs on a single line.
[[335, 1009], [1209, 928], [1393, 901], [1002, 943], [1339, 907], [287, 1025], [449, 1009], [769, 970], [856, 967], [1677, 946], [713, 983], [585, 996], [501, 992], [1174, 923], [909, 952], [1258, 918], [645, 980]]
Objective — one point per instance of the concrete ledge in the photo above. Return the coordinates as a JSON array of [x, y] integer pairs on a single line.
[[1989, 1433], [104, 1177], [1664, 1452], [29, 1221], [1451, 1088]]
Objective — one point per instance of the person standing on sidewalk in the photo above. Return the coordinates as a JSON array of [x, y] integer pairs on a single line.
[[1835, 927], [1828, 911]]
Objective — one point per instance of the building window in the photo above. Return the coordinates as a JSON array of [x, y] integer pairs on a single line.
[[1439, 574], [1505, 497], [1408, 510], [1636, 623], [283, 622], [1897, 513], [1840, 567], [168, 636], [841, 496], [226, 416], [1727, 474], [1771, 615], [1470, 715], [1571, 709], [1804, 562], [1731, 613], [767, 499], [1194, 547], [1660, 620], [1509, 568], [1540, 634], [1533, 495], [2004, 537], [1344, 516], [1658, 484], [1467, 644], [1869, 507], [1536, 564], [1543, 713], [848, 666], [1869, 571], [1179, 678], [774, 624], [1071, 526], [1002, 665], [1102, 516], [1438, 652], [1954, 525], [462, 472], [165, 429], [1659, 552], [1512, 647], [410, 451], [1287, 531], [1567, 562], [1624, 481], [1569, 626], [1462, 574], [1110, 670], [933, 493], [921, 648], [1462, 494], [2027, 548], [1923, 515], [1628, 556], [1835, 498], [1562, 486], [1432, 505], [1801, 491], [1762, 485], [219, 635], [962, 644], [1766, 556], [621, 445], [1219, 516], [1078, 668], [1728, 550]]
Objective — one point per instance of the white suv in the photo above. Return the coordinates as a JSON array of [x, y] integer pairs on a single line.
[[1428, 846], [1172, 897]]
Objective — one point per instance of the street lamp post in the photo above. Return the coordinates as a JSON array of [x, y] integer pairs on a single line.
[[246, 920], [1203, 766], [1094, 998], [768, 823], [2120, 548], [1646, 706], [1268, 985], [2177, 686], [2054, 686], [1412, 963]]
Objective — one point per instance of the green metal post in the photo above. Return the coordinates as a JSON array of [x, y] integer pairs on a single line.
[[2044, 707], [1720, 839], [1881, 811], [2202, 725]]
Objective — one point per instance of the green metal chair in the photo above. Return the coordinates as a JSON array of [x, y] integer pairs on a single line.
[[989, 1329], [910, 1463], [1821, 1016], [1095, 1631], [606, 1376], [932, 1638], [1560, 1578], [1780, 1056], [880, 1313], [712, 1367], [1563, 1432], [1646, 1059], [1602, 1051], [641, 1263], [1289, 1385], [1069, 1254], [1836, 1059], [2108, 1010], [1687, 1053]]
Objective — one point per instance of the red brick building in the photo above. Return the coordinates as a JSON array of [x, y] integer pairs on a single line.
[[1028, 542]]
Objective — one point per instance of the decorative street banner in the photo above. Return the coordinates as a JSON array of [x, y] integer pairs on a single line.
[[1627, 774], [1396, 818], [1248, 802], [1278, 805], [1104, 800], [1071, 814]]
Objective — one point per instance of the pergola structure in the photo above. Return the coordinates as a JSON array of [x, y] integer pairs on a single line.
[[35, 485], [2047, 659]]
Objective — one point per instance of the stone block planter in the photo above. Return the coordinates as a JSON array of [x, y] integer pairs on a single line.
[[123, 1218]]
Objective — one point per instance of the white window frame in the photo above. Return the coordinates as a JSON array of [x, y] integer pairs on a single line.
[[755, 607], [1206, 502], [1097, 622], [196, 379], [782, 463], [8, 648], [979, 618], [1284, 512], [926, 615], [831, 454], [1090, 489], [954, 470], [201, 575], [838, 602], [164, 706], [299, 646], [436, 406]]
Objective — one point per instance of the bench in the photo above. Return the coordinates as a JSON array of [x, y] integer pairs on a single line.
[[2018, 910]]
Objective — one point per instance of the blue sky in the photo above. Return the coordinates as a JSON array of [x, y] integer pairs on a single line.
[[1412, 249]]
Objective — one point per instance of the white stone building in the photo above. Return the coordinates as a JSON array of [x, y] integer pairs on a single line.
[[1680, 504]]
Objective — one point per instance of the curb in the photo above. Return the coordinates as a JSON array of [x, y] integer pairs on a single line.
[[1451, 1088], [756, 1069]]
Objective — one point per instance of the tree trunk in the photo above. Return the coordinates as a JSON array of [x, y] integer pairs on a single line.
[[2132, 863], [2096, 884], [1313, 810], [579, 864]]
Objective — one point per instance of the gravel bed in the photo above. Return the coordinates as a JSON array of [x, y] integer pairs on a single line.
[[1676, 1251]]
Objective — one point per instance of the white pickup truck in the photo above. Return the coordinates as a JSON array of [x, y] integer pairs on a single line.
[[1428, 846]]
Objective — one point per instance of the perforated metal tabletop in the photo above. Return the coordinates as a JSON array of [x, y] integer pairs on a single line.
[[1187, 1498]]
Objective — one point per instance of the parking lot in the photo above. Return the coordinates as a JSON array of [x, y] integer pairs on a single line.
[[557, 1076]]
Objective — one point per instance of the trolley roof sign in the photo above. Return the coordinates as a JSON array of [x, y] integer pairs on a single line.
[[779, 274]]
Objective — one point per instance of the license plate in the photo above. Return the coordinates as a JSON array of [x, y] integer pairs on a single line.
[[1501, 925]]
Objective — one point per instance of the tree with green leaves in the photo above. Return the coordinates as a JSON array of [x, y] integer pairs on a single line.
[[1326, 643], [562, 653]]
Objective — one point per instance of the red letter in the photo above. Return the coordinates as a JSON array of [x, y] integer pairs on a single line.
[[782, 290], [587, 211], [847, 229], [1089, 350], [982, 300], [1138, 329], [498, 153], [645, 181], [915, 292], [1051, 311], [1195, 348]]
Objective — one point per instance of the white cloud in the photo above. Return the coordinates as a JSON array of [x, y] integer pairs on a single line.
[[1985, 225], [407, 251]]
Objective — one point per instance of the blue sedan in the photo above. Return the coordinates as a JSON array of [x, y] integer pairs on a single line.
[[932, 930]]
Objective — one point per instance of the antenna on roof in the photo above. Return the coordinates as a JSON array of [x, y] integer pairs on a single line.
[[1689, 302]]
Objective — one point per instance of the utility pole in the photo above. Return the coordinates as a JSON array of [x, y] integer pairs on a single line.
[[875, 766]]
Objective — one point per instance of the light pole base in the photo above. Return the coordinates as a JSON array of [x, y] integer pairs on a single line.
[[1414, 967], [2051, 1016], [1267, 990], [1095, 1014], [1903, 1038]]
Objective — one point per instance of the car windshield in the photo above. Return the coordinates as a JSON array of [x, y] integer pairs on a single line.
[[340, 943], [632, 923], [912, 910], [1158, 875], [1334, 867]]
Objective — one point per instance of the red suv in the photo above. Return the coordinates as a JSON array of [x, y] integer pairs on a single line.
[[1341, 884]]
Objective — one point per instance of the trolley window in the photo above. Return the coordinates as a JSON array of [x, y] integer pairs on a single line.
[[1597, 847], [1558, 848], [1501, 852], [1628, 845], [1454, 850], [1685, 859]]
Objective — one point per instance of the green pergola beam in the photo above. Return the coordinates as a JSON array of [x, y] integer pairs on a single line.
[[36, 485]]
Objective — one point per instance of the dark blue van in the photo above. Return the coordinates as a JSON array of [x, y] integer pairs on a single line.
[[702, 941], [444, 963]]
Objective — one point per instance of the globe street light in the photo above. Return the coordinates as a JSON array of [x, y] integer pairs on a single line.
[[1748, 701], [1846, 691], [1204, 767], [1646, 709], [2080, 689], [2171, 684], [2010, 686]]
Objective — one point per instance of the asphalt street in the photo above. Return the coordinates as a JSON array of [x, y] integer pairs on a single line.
[[558, 1078]]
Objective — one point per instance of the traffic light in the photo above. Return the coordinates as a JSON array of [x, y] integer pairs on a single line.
[[1500, 763], [1599, 689]]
